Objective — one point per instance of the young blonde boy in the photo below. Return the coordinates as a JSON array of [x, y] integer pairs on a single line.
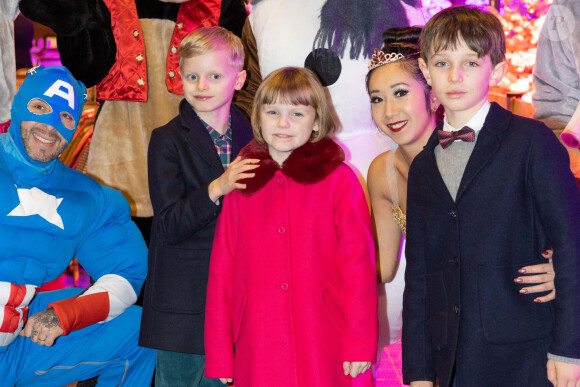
[[192, 165], [489, 191]]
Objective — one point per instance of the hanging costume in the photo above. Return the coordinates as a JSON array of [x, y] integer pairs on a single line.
[[50, 214]]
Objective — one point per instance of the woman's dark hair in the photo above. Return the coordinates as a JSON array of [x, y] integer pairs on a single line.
[[405, 41]]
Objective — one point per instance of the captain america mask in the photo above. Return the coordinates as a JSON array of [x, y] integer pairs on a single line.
[[49, 96]]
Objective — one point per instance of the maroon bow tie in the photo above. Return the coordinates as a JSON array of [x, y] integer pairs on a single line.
[[447, 138]]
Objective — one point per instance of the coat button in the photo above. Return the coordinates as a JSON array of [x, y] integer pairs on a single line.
[[456, 309], [281, 230], [171, 74], [453, 213], [179, 25], [173, 50], [136, 33], [279, 180], [140, 82], [284, 286]]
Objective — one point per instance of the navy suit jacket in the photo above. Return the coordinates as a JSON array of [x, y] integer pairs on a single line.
[[462, 309], [182, 161]]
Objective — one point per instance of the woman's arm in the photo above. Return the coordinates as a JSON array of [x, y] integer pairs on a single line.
[[542, 275]]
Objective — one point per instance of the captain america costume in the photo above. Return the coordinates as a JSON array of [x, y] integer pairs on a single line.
[[50, 213]]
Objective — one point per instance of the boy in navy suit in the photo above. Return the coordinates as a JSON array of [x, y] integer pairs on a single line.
[[192, 164], [489, 191]]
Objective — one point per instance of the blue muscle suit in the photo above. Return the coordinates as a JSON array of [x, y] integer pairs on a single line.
[[50, 213]]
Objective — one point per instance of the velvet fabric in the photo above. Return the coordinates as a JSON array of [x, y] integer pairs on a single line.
[[308, 164], [292, 280]]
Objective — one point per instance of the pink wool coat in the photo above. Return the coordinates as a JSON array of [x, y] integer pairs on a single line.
[[292, 281]]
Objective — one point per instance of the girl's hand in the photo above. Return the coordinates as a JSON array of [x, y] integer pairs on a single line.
[[226, 380], [355, 368], [543, 275]]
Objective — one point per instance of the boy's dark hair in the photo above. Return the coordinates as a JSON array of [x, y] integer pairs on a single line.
[[481, 31]]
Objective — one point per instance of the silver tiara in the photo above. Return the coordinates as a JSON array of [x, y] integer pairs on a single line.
[[380, 58]]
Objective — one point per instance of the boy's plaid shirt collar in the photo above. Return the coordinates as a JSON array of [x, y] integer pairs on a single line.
[[222, 142]]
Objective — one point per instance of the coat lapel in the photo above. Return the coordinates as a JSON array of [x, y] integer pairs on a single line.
[[488, 142], [198, 137]]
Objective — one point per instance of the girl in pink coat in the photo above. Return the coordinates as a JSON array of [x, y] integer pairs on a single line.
[[291, 297]]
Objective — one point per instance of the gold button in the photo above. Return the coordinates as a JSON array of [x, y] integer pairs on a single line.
[[174, 50], [140, 82], [171, 74], [139, 58], [180, 25], [135, 33]]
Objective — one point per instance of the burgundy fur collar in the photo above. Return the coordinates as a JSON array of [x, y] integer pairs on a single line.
[[309, 164]]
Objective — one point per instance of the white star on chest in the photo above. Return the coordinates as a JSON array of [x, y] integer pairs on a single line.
[[34, 201]]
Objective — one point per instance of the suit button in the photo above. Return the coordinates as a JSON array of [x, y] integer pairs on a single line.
[[284, 286], [281, 230], [456, 309], [453, 214], [456, 259]]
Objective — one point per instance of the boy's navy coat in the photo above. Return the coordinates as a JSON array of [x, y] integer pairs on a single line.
[[462, 308], [182, 161]]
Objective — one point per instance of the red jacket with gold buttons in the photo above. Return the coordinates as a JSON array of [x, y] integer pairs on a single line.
[[127, 79]]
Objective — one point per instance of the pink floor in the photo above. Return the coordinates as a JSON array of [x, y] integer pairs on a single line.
[[389, 372]]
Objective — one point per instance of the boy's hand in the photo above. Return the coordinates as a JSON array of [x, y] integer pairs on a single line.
[[228, 181], [544, 277], [355, 368], [563, 374], [226, 380]]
